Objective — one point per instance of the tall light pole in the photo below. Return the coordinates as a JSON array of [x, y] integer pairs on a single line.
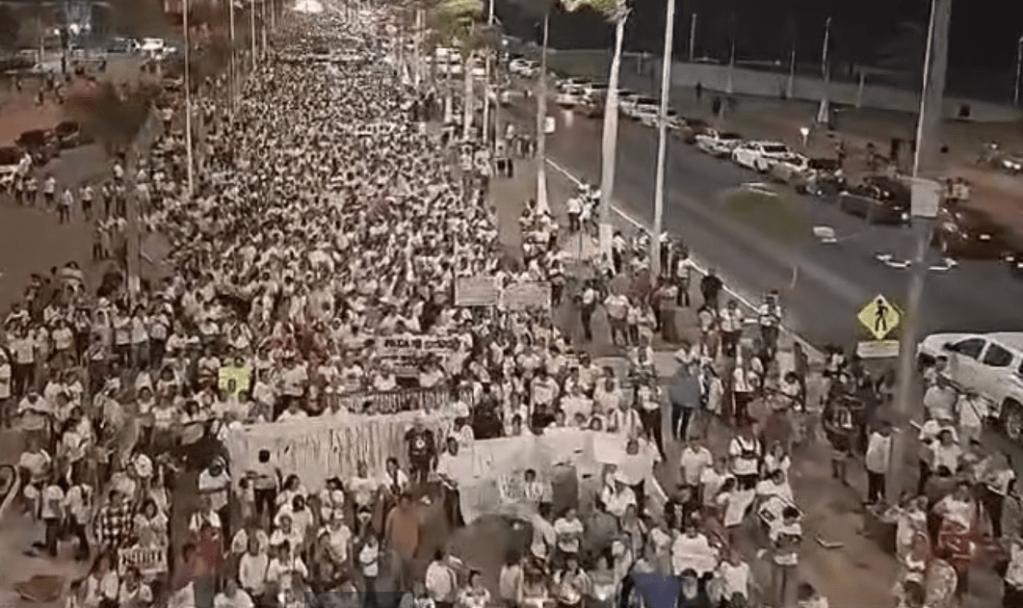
[[252, 34], [1019, 71], [234, 67], [926, 195], [188, 101], [731, 55], [662, 139], [486, 79], [541, 123], [692, 37], [824, 110]]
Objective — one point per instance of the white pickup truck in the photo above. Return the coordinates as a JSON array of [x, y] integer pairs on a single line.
[[991, 364]]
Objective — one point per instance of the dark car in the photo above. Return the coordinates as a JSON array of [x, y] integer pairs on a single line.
[[590, 109], [962, 232], [70, 135], [691, 127], [879, 200], [43, 145]]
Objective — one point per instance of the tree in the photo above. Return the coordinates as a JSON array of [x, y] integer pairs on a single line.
[[459, 22]]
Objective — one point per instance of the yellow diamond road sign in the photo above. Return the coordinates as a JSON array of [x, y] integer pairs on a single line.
[[879, 317]]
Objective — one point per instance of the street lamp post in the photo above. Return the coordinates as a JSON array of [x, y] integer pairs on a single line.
[[252, 34], [692, 38], [926, 166], [731, 57], [233, 67], [1019, 71], [188, 101], [486, 80], [825, 110], [662, 140]]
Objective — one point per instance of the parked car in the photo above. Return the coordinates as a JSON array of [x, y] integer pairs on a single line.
[[626, 99], [11, 162], [970, 233], [689, 128], [650, 118], [879, 200], [759, 155], [43, 145], [523, 67], [644, 107], [594, 91], [990, 364], [70, 135], [800, 171], [590, 109], [716, 143]]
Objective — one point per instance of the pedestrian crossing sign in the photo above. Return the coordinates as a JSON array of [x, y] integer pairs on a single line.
[[879, 317]]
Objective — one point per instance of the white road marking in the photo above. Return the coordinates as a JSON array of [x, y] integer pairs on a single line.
[[700, 267]]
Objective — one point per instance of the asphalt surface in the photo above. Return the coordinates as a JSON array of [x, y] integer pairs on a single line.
[[823, 286]]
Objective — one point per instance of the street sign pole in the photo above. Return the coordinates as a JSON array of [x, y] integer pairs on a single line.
[[926, 165]]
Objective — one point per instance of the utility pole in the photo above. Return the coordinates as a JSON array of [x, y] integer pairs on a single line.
[[1019, 71], [188, 102], [926, 196], [731, 56], [234, 67], [541, 123], [252, 34], [825, 110], [486, 79], [662, 141], [692, 38]]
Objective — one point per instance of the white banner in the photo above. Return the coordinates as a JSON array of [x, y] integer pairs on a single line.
[[477, 291], [527, 296]]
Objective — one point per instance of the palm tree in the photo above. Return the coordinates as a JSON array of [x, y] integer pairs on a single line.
[[617, 12]]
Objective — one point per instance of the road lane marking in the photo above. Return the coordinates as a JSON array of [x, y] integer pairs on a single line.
[[700, 267]]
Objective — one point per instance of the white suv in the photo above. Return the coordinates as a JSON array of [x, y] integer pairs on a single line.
[[759, 155], [991, 364]]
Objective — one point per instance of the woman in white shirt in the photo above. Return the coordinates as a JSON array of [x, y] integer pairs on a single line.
[[102, 586], [475, 595], [998, 479]]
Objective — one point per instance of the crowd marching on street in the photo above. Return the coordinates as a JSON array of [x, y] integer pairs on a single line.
[[328, 217]]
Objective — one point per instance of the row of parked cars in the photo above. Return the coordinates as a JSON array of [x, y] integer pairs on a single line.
[[38, 147], [962, 231]]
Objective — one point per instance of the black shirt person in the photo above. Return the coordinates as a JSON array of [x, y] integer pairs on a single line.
[[422, 451]]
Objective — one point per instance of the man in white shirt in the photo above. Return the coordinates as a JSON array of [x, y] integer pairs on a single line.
[[694, 459], [940, 399], [441, 580], [232, 597], [617, 497], [617, 307], [569, 530]]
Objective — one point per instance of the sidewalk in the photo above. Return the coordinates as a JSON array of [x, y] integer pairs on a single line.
[[854, 573]]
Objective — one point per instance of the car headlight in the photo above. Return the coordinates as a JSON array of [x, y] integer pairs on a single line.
[[905, 216]]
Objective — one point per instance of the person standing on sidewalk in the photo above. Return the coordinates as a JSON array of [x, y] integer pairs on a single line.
[[64, 206], [876, 462], [85, 195], [617, 307], [683, 278], [50, 191], [769, 319], [685, 397], [575, 209], [587, 304], [730, 319], [710, 288]]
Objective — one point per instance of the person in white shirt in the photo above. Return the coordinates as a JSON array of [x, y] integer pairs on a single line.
[[232, 597], [940, 399], [133, 592], [1012, 592], [998, 478], [785, 538], [693, 460], [569, 530], [744, 451], [973, 412], [616, 498], [693, 551], [731, 322], [441, 580], [617, 307], [876, 462], [736, 578], [252, 569]]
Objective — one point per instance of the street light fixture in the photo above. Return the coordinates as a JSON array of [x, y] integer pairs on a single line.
[[1019, 71]]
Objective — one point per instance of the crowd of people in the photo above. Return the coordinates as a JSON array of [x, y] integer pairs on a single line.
[[327, 217]]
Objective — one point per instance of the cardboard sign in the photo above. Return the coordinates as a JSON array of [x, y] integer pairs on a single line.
[[391, 402], [477, 291], [150, 562], [527, 296]]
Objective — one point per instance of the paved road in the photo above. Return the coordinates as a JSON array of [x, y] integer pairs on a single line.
[[823, 286]]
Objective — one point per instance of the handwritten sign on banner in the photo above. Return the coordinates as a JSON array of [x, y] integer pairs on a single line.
[[527, 296], [150, 562], [477, 291]]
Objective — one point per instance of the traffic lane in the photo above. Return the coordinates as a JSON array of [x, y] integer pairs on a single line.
[[958, 299]]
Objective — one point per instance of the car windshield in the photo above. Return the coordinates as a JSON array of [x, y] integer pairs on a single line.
[[598, 87], [729, 136], [823, 164], [10, 155], [775, 149], [647, 101]]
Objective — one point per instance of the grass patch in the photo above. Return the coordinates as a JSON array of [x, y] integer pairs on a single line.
[[775, 215]]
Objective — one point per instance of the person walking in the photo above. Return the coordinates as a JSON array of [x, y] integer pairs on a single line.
[[685, 396], [64, 206]]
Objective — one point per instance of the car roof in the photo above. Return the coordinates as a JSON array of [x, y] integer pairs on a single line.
[[1013, 339]]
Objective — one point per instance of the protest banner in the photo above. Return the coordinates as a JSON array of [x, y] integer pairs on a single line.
[[477, 291], [149, 561], [405, 353], [527, 296], [392, 402]]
